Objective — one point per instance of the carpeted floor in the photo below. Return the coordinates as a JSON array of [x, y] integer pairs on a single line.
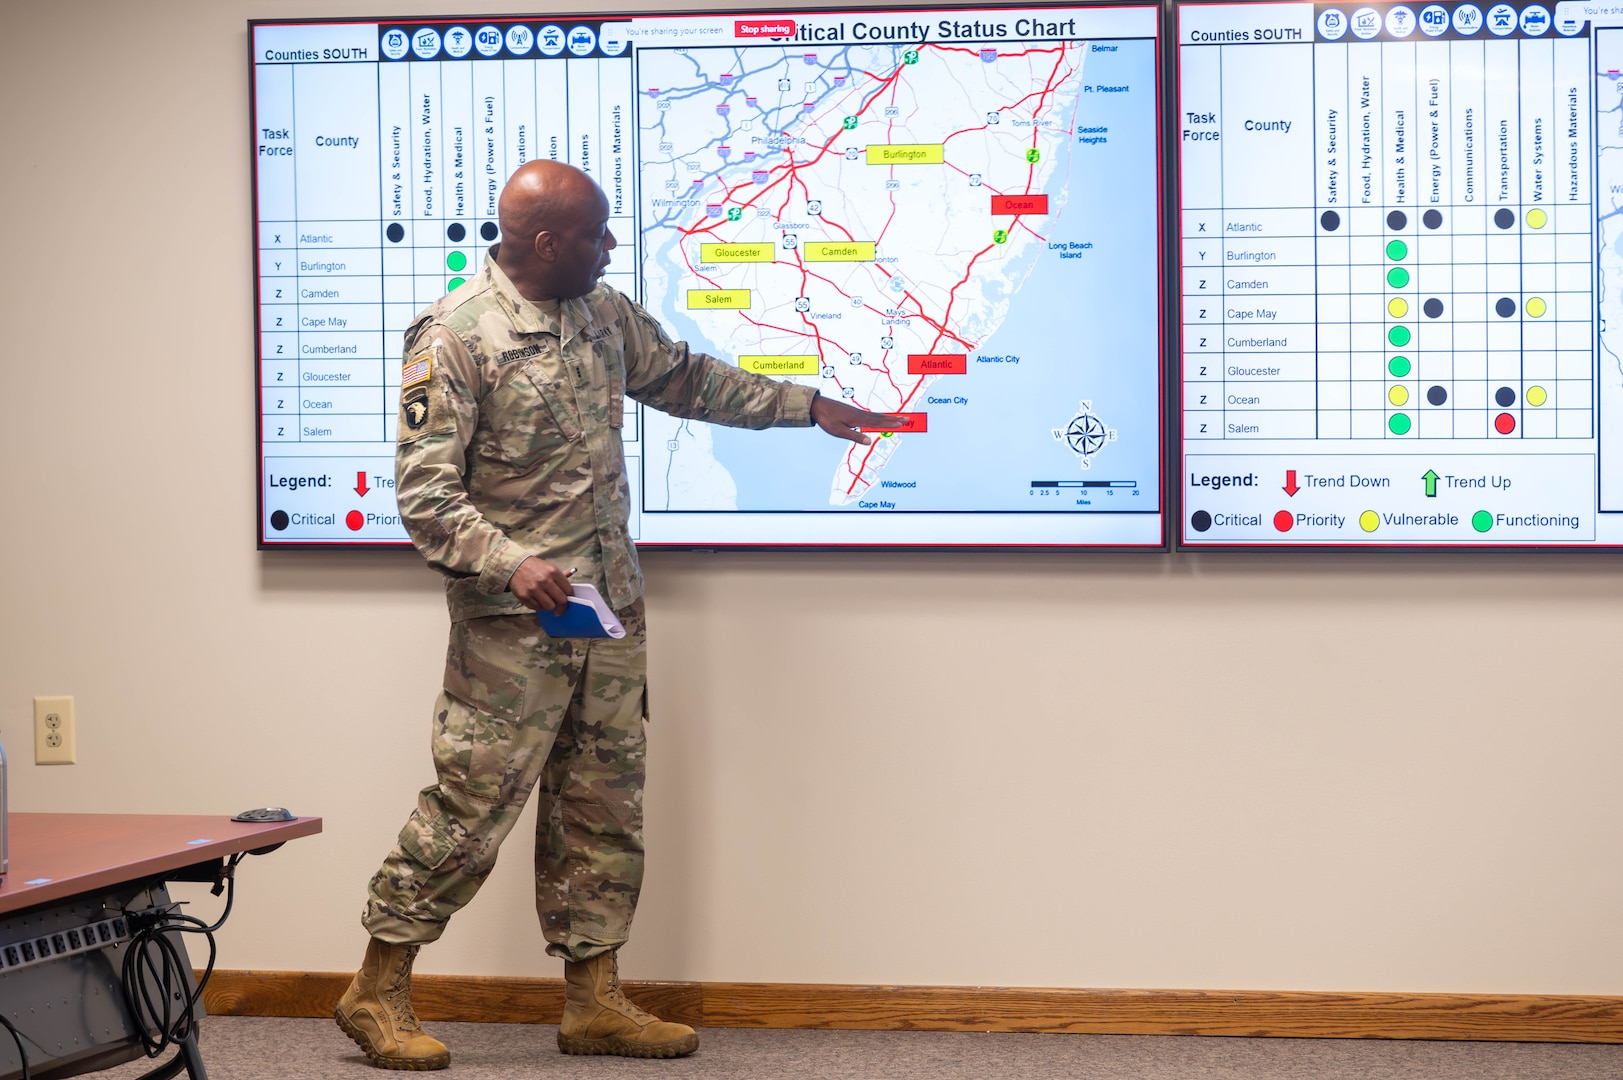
[[259, 1048]]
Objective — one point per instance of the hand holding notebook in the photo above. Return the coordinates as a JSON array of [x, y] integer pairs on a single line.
[[588, 616]]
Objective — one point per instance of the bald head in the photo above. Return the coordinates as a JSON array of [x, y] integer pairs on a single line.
[[555, 237]]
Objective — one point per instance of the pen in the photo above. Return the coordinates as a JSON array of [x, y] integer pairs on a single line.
[[571, 572]]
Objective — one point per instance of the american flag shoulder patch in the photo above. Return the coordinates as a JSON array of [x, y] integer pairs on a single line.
[[417, 370]]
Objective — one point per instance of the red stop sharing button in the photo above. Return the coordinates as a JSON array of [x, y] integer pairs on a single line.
[[911, 421], [1019, 204], [937, 364], [763, 28]]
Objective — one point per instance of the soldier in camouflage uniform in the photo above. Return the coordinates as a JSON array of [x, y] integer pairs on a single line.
[[510, 469]]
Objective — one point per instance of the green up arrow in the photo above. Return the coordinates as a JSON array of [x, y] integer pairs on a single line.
[[1431, 484]]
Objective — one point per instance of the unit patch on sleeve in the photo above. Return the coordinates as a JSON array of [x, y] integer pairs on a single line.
[[415, 407]]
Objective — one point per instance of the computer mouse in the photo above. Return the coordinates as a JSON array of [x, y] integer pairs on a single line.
[[264, 814]]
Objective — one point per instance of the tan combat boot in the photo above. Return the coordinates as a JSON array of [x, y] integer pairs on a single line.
[[599, 1020], [376, 1012]]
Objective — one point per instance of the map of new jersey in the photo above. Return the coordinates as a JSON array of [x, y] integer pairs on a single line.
[[960, 232]]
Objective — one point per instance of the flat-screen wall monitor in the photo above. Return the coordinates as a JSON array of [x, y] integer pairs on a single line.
[[1396, 241], [949, 214]]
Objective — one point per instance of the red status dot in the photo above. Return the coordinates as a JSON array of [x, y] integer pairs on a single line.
[[1504, 423], [1284, 520], [354, 520]]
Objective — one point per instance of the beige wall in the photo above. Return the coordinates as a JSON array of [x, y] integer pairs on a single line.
[[1383, 773]]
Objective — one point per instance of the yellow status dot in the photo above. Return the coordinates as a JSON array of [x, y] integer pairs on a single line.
[[1537, 218], [1369, 521], [1399, 307], [1536, 307], [1398, 395], [1537, 395]]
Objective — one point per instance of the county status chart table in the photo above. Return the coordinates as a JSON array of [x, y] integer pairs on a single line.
[[1388, 257], [1398, 235], [339, 135]]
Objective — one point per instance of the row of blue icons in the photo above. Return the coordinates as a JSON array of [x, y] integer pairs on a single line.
[[1435, 20], [459, 41]]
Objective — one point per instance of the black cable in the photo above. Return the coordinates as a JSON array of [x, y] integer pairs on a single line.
[[155, 971], [22, 1055]]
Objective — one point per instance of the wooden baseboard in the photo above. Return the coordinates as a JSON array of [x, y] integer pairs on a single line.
[[1294, 1014]]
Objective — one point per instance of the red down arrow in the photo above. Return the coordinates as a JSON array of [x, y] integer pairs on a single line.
[[1290, 482], [361, 488]]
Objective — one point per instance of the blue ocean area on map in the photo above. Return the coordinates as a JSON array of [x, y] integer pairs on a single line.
[[1083, 328]]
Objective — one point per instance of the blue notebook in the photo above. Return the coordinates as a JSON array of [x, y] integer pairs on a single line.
[[588, 616]]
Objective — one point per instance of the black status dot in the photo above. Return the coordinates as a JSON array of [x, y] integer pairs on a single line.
[[395, 233], [1504, 219], [279, 518], [1200, 520], [1330, 220], [1437, 395], [1432, 219], [489, 231], [1505, 396], [1505, 308], [1397, 219], [1433, 308], [456, 233]]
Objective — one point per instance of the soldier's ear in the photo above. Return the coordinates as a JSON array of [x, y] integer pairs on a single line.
[[546, 246]]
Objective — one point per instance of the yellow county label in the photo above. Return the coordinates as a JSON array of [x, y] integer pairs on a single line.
[[838, 251], [907, 154], [724, 253], [779, 365], [729, 299]]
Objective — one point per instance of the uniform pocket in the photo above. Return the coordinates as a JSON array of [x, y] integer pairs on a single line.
[[427, 841], [530, 415], [478, 717]]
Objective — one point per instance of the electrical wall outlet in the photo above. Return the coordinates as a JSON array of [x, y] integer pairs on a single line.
[[53, 731]]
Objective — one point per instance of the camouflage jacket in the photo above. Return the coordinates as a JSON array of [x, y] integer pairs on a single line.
[[509, 436]]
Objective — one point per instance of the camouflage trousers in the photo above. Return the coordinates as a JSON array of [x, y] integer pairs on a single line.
[[519, 711]]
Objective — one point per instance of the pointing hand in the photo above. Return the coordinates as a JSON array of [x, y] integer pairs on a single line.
[[844, 422]]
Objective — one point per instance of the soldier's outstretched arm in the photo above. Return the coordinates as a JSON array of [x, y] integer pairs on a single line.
[[667, 376], [439, 406], [670, 377]]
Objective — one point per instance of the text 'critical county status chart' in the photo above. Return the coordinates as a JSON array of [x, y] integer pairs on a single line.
[[1392, 253], [949, 215]]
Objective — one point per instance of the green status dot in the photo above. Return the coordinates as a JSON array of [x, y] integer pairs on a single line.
[[1397, 277], [1398, 366], [1481, 521], [1397, 251], [457, 261], [1398, 335], [454, 283], [1399, 424]]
